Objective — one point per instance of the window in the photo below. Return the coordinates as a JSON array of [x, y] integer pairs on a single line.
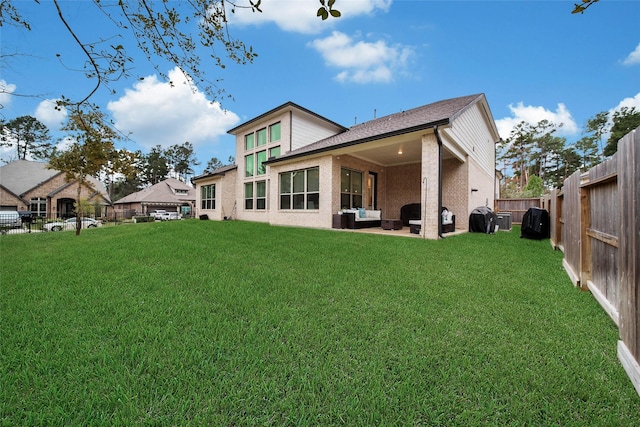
[[262, 157], [208, 196], [248, 195], [274, 132], [274, 152], [248, 142], [38, 206], [262, 137], [350, 189], [248, 165], [261, 195], [300, 189]]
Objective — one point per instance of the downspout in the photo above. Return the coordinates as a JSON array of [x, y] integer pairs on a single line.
[[435, 131]]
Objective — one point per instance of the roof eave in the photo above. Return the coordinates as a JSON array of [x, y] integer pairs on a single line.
[[431, 125], [283, 107]]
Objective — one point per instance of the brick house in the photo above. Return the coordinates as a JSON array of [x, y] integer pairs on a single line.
[[170, 194], [30, 186], [295, 167]]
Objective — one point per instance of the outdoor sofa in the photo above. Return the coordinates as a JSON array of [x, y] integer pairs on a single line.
[[364, 218]]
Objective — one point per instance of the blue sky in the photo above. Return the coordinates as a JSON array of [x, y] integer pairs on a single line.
[[533, 60]]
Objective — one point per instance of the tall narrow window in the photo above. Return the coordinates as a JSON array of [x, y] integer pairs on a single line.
[[274, 132], [262, 157], [261, 195], [262, 137], [208, 196], [350, 189], [285, 190], [313, 188], [248, 195], [248, 165], [298, 190], [248, 142]]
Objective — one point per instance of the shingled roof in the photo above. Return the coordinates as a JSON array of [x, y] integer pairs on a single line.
[[22, 176], [438, 113], [162, 192], [220, 171]]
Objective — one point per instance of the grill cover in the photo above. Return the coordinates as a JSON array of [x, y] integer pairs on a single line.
[[482, 220], [535, 224]]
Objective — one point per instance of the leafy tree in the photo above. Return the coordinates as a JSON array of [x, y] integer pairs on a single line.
[[123, 186], [624, 121], [162, 33], [547, 147], [122, 166], [580, 8], [155, 166], [587, 149], [535, 187], [91, 151], [597, 127], [182, 158], [29, 136], [567, 162], [215, 163], [517, 150]]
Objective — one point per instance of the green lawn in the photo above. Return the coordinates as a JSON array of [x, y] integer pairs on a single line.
[[235, 323]]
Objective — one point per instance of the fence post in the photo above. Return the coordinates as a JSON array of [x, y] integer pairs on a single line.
[[585, 240], [629, 259]]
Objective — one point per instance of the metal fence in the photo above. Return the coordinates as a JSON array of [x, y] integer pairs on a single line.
[[18, 222]]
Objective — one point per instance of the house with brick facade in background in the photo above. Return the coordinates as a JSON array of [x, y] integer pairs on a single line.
[[170, 195], [297, 168], [31, 186]]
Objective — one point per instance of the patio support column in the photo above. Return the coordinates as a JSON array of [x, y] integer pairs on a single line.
[[429, 194]]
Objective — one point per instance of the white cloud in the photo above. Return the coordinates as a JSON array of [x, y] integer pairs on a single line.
[[634, 57], [361, 61], [532, 115], [300, 15], [6, 89], [51, 116], [629, 103], [157, 113]]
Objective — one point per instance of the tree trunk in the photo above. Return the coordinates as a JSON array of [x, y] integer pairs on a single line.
[[78, 206]]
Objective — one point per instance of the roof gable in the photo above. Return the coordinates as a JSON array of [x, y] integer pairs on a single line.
[[23, 175], [168, 191], [287, 106], [220, 171]]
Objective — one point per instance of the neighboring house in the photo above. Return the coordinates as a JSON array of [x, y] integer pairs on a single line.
[[298, 168], [31, 186], [170, 195]]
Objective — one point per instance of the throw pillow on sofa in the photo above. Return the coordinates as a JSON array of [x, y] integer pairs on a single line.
[[362, 213]]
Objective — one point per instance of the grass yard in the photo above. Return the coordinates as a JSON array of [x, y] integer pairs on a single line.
[[235, 323]]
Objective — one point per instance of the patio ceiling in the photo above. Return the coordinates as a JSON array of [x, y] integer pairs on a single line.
[[391, 151]]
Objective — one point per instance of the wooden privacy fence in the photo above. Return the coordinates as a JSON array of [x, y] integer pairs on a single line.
[[595, 221], [518, 207]]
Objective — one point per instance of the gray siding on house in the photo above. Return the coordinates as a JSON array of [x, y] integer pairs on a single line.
[[473, 135], [305, 131]]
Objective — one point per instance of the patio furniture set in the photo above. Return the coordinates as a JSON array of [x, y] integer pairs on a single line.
[[409, 217]]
